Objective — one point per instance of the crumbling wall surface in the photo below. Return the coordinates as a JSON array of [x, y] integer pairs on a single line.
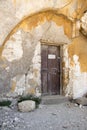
[[24, 25], [21, 54], [84, 24], [77, 50], [16, 56], [13, 11]]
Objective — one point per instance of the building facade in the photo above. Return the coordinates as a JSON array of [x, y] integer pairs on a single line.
[[43, 47]]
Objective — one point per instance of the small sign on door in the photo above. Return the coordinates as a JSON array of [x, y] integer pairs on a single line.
[[51, 56]]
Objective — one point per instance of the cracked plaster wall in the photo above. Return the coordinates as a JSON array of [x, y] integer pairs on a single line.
[[20, 60], [77, 55], [22, 52], [13, 11]]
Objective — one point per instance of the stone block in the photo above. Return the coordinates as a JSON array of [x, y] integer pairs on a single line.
[[26, 106]]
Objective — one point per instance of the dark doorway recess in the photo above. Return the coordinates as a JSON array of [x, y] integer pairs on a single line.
[[50, 69]]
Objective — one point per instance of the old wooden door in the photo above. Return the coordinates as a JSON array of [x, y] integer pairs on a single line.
[[50, 69]]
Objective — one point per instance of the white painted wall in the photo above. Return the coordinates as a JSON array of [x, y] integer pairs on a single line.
[[77, 86], [13, 48]]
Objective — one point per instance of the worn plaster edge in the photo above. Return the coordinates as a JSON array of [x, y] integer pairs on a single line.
[[27, 17]]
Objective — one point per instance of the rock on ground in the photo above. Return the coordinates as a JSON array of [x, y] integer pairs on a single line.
[[26, 106], [64, 116]]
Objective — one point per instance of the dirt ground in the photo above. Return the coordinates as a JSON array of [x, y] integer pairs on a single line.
[[65, 116]]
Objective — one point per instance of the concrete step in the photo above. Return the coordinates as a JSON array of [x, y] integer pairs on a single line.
[[53, 99]]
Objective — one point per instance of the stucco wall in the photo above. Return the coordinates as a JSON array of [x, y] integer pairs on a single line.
[[24, 25], [14, 11], [22, 51], [77, 51]]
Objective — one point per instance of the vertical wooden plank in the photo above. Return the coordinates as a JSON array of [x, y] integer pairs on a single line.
[[61, 70], [44, 53]]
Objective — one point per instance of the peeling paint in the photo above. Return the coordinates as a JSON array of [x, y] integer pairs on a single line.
[[79, 47], [56, 23], [39, 18], [18, 84], [65, 67], [13, 87], [13, 49], [33, 79], [77, 86]]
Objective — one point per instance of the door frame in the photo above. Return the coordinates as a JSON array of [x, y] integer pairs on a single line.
[[61, 60]]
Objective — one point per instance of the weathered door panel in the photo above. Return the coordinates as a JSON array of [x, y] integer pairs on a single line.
[[50, 69]]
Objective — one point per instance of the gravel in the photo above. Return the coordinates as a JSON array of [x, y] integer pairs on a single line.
[[65, 116]]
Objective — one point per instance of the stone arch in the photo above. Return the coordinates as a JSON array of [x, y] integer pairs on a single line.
[[45, 14], [23, 42], [16, 11]]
